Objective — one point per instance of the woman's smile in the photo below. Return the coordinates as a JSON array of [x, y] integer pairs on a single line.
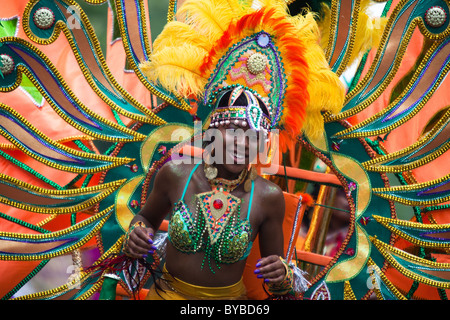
[[236, 155]]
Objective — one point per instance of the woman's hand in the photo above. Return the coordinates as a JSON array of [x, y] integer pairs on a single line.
[[271, 269], [140, 243]]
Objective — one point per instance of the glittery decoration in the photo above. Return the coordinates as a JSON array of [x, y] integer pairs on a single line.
[[162, 150], [217, 204], [350, 252], [254, 114], [336, 146], [235, 67], [217, 209], [217, 218], [7, 65], [133, 167], [256, 63], [435, 17], [187, 233], [216, 229], [321, 292], [352, 186], [364, 221], [49, 245], [44, 18], [210, 172], [250, 113], [134, 204], [286, 285], [346, 275]]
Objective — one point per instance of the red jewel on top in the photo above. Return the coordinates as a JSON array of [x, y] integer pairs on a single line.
[[217, 204]]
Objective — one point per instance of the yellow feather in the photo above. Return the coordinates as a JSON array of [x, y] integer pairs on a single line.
[[183, 45], [368, 32], [282, 4], [176, 71], [211, 18], [326, 91], [324, 26], [176, 33]]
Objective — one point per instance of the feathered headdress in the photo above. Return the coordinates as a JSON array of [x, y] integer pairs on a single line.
[[254, 47]]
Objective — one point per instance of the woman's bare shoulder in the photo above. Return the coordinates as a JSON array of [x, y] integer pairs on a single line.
[[171, 177], [174, 170], [268, 187], [269, 192]]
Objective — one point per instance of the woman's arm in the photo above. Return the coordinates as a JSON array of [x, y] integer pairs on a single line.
[[270, 267], [145, 224]]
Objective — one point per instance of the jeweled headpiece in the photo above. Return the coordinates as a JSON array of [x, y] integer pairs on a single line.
[[249, 47], [252, 113]]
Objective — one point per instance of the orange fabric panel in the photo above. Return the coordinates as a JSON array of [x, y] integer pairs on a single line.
[[404, 284], [314, 258], [308, 175], [16, 271]]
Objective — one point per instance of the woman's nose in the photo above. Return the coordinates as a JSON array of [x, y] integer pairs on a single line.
[[241, 140]]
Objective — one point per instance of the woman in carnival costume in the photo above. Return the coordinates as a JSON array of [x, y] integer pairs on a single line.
[[258, 69], [110, 135]]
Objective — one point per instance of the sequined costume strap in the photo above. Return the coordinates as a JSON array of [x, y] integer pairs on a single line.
[[250, 200], [189, 180]]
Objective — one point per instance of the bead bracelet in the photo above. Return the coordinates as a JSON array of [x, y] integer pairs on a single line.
[[286, 285], [127, 235]]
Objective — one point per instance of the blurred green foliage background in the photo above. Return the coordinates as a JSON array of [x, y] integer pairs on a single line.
[[98, 17]]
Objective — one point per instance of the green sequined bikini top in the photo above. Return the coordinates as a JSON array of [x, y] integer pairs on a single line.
[[225, 240]]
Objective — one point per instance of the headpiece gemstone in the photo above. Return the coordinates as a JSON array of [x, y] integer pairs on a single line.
[[263, 40], [256, 63]]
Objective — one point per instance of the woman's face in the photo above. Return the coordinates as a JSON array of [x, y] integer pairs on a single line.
[[239, 147]]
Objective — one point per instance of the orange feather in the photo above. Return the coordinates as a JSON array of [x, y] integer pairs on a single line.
[[291, 50]]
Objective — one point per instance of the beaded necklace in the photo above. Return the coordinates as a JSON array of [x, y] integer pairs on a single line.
[[218, 207], [228, 185], [215, 227]]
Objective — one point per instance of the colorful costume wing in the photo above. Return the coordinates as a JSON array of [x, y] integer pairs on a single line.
[[83, 135], [387, 146]]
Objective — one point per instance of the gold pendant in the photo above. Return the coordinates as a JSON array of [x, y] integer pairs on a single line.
[[210, 172], [217, 209], [251, 177], [219, 205], [248, 185]]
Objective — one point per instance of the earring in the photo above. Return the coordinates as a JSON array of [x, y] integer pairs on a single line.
[[252, 174], [210, 171]]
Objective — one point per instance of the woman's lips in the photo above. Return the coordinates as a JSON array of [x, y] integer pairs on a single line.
[[237, 157]]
